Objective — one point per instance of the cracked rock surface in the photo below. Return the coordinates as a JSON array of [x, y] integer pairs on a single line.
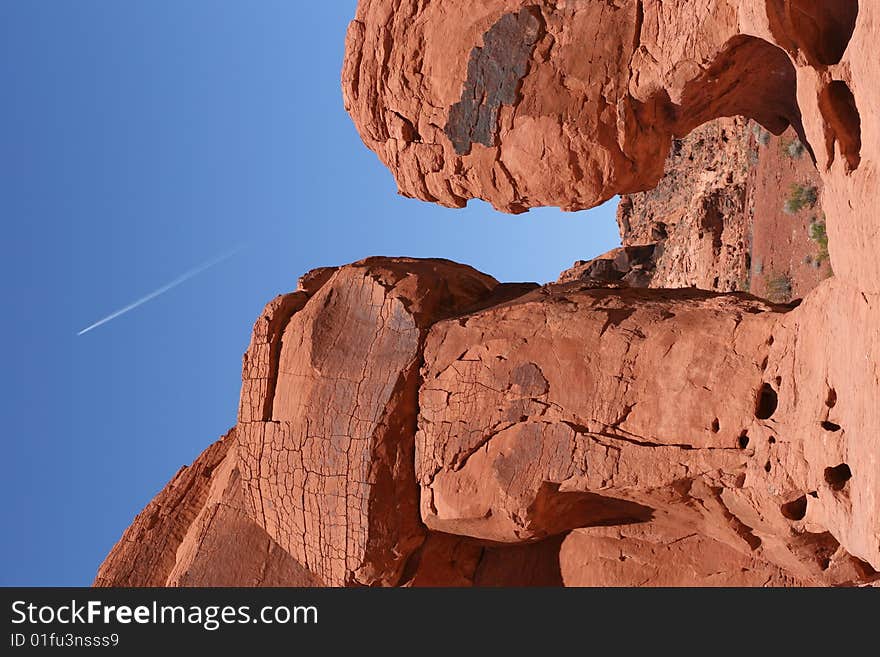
[[430, 426], [607, 88], [413, 422]]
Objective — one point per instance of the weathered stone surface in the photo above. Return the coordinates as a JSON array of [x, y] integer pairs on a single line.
[[571, 407], [537, 415], [543, 415], [197, 533], [645, 555], [412, 422], [225, 547], [606, 89], [424, 416], [328, 471], [495, 72], [827, 357]]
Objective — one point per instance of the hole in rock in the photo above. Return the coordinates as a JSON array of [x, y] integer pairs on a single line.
[[743, 440], [831, 400], [796, 509], [843, 124], [772, 440], [830, 426], [532, 564], [837, 476], [767, 466], [766, 403], [553, 512], [716, 425], [825, 27], [470, 561], [822, 545], [818, 547], [865, 569]]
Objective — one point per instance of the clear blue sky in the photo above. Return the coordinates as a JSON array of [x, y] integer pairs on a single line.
[[139, 139]]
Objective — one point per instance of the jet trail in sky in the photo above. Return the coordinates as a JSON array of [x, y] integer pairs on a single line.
[[165, 288]]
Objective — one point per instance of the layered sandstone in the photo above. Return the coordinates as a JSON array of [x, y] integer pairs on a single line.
[[724, 217], [699, 214], [328, 466], [409, 422], [571, 103], [605, 89], [416, 423], [196, 532]]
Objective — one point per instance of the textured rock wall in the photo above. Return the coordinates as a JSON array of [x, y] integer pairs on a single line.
[[597, 104], [699, 211], [197, 532], [693, 229], [607, 88], [414, 422], [329, 470], [424, 417]]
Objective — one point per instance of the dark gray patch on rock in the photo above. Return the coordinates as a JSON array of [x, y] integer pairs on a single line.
[[495, 72]]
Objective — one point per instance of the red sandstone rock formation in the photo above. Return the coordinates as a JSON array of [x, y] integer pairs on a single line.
[[605, 89], [403, 421], [196, 533], [409, 422], [328, 468], [719, 219], [697, 217], [569, 103]]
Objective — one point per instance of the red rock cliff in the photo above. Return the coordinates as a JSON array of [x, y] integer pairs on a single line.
[[414, 422]]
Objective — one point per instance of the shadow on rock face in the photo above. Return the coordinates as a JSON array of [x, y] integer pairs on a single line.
[[820, 29]]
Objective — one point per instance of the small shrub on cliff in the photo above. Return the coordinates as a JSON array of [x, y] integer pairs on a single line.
[[819, 235], [779, 288], [761, 136], [793, 148], [800, 197], [752, 161]]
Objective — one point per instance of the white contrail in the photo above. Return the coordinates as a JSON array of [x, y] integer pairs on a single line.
[[162, 290]]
